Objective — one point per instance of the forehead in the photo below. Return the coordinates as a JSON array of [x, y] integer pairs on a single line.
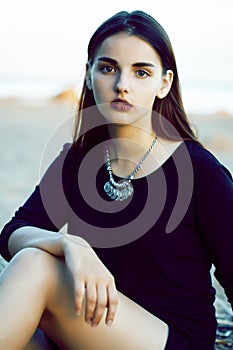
[[128, 47]]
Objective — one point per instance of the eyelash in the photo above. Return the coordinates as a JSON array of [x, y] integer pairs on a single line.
[[105, 70], [144, 71]]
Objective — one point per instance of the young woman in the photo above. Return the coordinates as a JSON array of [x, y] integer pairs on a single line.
[[149, 210]]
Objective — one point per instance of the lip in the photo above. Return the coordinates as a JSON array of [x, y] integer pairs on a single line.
[[121, 105]]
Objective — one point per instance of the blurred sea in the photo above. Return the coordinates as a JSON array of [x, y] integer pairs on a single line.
[[29, 122], [27, 126], [30, 113], [208, 97]]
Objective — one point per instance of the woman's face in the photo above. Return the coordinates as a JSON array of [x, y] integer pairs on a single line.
[[126, 77]]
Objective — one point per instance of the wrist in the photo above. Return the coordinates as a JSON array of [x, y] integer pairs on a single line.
[[71, 240]]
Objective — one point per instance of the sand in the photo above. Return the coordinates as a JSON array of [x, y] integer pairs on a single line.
[[26, 127]]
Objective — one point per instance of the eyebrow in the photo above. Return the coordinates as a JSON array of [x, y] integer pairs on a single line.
[[138, 64]]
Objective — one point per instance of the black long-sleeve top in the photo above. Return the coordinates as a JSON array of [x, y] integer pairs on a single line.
[[161, 243]]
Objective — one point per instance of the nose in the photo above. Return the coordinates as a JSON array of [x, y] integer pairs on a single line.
[[122, 84]]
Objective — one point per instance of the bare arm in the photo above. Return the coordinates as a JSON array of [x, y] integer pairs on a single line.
[[28, 236], [91, 278]]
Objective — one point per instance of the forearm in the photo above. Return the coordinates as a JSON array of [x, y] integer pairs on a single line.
[[28, 236], [87, 270]]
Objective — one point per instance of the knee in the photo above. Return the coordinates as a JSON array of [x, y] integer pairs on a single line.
[[33, 261], [29, 255]]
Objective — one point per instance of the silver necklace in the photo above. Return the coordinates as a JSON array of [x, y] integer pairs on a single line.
[[123, 189]]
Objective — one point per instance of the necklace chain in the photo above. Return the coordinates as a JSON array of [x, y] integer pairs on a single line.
[[123, 189]]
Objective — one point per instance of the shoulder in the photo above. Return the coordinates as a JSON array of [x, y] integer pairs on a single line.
[[70, 152], [59, 159], [204, 162]]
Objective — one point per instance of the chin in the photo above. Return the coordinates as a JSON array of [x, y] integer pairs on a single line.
[[119, 121]]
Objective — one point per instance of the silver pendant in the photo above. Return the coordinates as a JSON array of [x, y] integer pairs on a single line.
[[122, 191]]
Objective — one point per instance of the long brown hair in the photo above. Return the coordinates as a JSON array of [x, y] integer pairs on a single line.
[[167, 111]]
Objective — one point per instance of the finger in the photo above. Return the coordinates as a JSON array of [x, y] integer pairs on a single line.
[[112, 304], [100, 305], [91, 298], [79, 291]]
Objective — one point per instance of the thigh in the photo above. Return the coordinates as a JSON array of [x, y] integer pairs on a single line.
[[133, 328]]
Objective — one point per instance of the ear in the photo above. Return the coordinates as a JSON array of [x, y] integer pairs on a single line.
[[166, 84], [88, 77]]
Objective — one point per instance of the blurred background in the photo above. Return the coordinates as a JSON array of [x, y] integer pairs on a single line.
[[43, 54]]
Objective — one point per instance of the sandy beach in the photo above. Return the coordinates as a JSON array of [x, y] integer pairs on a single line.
[[26, 127]]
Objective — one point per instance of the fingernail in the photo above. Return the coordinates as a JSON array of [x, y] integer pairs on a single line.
[[109, 322], [94, 325], [78, 312]]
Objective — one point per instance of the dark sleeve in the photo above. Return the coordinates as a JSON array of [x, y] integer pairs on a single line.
[[47, 206], [215, 217]]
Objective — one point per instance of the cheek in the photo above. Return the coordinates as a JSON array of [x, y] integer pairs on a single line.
[[148, 97], [97, 92], [154, 90], [100, 89], [149, 90]]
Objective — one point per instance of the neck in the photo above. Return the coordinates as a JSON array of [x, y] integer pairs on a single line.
[[130, 141]]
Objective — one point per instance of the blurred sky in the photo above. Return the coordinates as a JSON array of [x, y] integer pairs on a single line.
[[47, 39]]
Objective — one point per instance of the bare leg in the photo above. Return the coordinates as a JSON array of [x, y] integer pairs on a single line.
[[37, 286], [21, 300]]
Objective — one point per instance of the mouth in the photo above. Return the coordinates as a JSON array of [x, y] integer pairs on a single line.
[[121, 105]]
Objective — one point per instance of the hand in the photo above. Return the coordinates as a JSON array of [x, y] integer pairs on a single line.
[[91, 280]]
